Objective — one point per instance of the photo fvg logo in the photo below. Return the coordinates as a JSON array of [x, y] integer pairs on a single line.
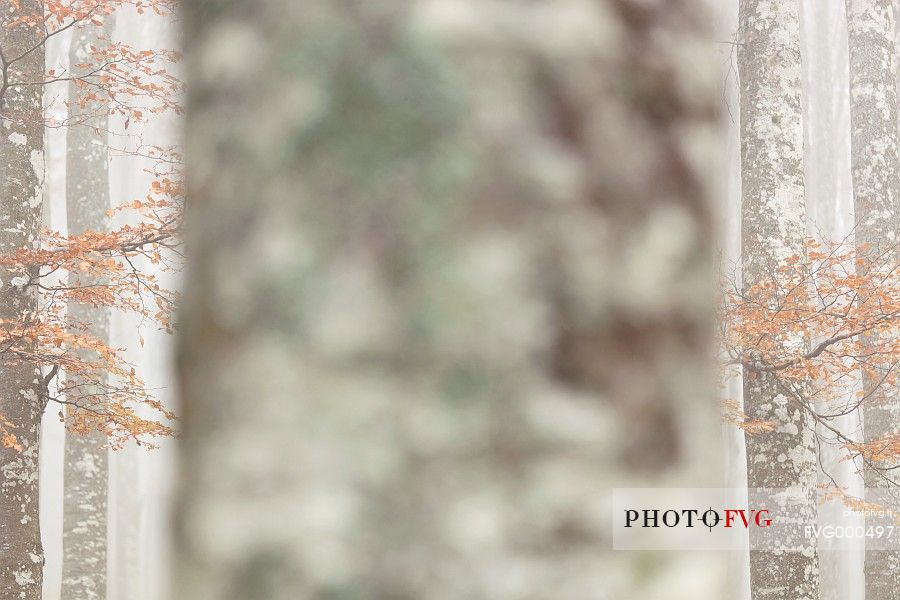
[[709, 518], [680, 519]]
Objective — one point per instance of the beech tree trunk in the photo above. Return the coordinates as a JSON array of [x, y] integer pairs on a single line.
[[22, 394], [85, 467], [424, 330], [876, 197], [125, 565], [773, 228]]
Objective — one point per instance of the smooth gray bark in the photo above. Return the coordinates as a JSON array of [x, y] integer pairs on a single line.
[[85, 462], [21, 392], [876, 197], [773, 228], [424, 327]]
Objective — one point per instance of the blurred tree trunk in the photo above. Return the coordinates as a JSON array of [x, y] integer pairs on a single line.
[[85, 468], [876, 197], [450, 281], [22, 394], [773, 228]]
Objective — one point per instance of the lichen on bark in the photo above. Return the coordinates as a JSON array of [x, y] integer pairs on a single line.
[[875, 166], [21, 392], [773, 229]]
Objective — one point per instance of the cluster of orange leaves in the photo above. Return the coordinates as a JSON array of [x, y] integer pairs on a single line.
[[55, 15], [733, 414], [821, 322], [119, 78], [131, 82], [105, 270]]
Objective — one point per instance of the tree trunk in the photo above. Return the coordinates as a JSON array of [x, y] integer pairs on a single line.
[[876, 197], [773, 218], [448, 285], [85, 468], [21, 393], [125, 565]]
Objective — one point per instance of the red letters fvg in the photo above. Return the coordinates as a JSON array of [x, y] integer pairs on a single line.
[[747, 517]]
